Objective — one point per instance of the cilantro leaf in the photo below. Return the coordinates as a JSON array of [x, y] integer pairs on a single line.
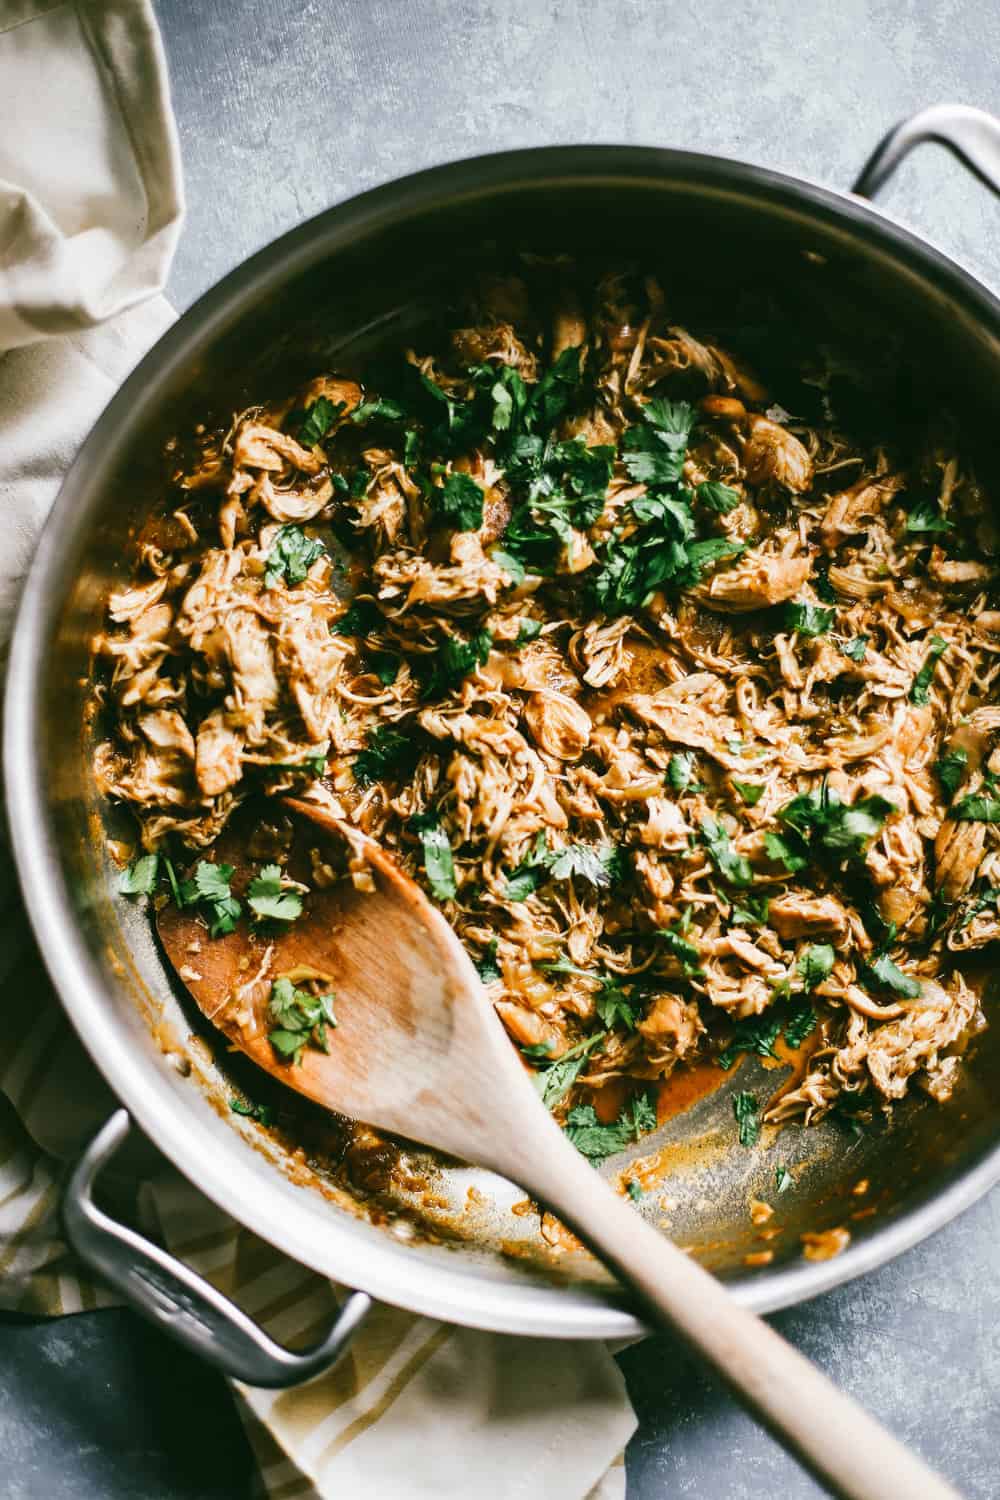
[[597, 1141], [950, 769], [613, 1005], [816, 964], [555, 1080], [487, 967], [597, 863], [528, 630], [717, 497], [921, 683], [885, 974], [262, 1113], [752, 913], [754, 1034], [976, 809], [733, 867], [806, 618], [856, 648], [454, 660], [649, 460], [832, 826], [783, 1179], [672, 420], [634, 1190], [389, 753], [362, 617], [140, 877], [678, 944], [551, 396], [382, 408], [926, 517], [787, 850], [439, 865], [680, 770], [745, 1110], [460, 502], [801, 1024], [750, 791], [291, 556], [208, 886], [300, 1020], [269, 900], [318, 419]]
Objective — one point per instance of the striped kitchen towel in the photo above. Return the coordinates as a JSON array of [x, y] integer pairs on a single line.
[[90, 208]]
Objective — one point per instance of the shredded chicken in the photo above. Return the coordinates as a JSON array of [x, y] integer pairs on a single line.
[[700, 695]]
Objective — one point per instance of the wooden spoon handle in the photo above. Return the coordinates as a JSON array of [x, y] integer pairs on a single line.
[[845, 1448]]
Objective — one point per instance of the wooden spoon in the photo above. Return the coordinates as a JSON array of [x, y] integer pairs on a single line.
[[419, 1052]]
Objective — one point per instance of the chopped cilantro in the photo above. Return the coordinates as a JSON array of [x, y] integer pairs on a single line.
[[856, 648], [317, 420], [676, 941], [597, 1141], [262, 1113], [806, 618], [360, 618], [599, 864], [827, 825], [884, 974], [733, 867], [754, 1034], [208, 886], [389, 753], [299, 1020], [555, 1079], [454, 660], [750, 912], [926, 517], [750, 792], [460, 502], [816, 964], [613, 1006], [439, 866], [976, 809], [267, 897], [551, 396], [786, 850], [634, 1190], [528, 630], [783, 1179], [950, 769], [511, 565], [487, 967], [680, 770], [382, 408], [291, 556], [717, 497], [745, 1110], [922, 681], [140, 877], [800, 1024]]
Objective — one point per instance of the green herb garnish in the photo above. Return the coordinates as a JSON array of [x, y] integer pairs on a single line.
[[733, 867], [950, 769], [291, 556], [745, 1110], [270, 900], [806, 618], [439, 865], [299, 1020], [922, 681], [460, 502], [139, 879]]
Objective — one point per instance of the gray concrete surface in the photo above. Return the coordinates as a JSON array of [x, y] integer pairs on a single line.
[[286, 107]]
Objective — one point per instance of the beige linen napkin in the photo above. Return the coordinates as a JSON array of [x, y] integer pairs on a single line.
[[89, 214]]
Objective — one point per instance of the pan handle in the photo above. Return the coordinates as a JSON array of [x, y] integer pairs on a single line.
[[172, 1296], [970, 134]]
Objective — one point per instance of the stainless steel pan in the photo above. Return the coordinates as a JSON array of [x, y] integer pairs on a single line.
[[368, 271]]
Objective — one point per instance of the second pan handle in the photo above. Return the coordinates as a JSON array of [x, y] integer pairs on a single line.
[[177, 1299], [972, 135]]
